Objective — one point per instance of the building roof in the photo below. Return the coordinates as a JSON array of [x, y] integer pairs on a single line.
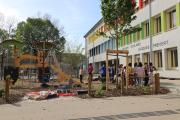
[[94, 27]]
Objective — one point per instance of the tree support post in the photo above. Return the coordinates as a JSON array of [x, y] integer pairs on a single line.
[[127, 72], [157, 83], [7, 84]]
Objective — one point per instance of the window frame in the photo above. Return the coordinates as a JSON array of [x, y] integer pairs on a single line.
[[146, 29], [158, 59], [157, 25], [169, 16], [172, 62]]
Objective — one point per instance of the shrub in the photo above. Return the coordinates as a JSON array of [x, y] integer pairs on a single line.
[[99, 92]]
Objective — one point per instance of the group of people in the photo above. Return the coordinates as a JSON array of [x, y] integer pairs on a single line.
[[138, 75]]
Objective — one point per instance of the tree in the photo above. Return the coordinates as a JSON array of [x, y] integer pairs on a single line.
[[117, 16], [36, 30], [3, 35], [40, 34], [7, 27]]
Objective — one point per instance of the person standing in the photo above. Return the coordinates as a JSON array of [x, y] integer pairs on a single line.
[[136, 80], [81, 74], [151, 69], [146, 78], [111, 73], [140, 73], [129, 74], [103, 73]]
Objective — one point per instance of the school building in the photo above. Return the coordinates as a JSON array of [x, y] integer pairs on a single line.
[[164, 28]]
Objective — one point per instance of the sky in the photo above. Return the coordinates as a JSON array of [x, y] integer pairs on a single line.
[[76, 16]]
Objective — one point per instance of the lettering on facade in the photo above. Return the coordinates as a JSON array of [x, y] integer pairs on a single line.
[[143, 48], [161, 44], [132, 46], [140, 47]]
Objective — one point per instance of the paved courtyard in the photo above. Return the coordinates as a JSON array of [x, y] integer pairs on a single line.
[[156, 107]]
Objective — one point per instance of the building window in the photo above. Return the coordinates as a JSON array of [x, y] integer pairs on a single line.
[[171, 19], [96, 50], [138, 35], [129, 59], [104, 47], [146, 28], [146, 58], [158, 59], [101, 48], [93, 52], [109, 44], [90, 51], [124, 40], [172, 57], [137, 58], [130, 38], [157, 24], [114, 44]]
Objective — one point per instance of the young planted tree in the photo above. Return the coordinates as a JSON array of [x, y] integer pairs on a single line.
[[117, 16]]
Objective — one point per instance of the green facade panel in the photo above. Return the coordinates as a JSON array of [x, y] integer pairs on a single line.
[[120, 40], [164, 21], [142, 31], [178, 14], [134, 36], [152, 26], [127, 40]]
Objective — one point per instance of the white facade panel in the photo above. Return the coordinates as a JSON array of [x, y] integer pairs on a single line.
[[161, 41], [157, 7]]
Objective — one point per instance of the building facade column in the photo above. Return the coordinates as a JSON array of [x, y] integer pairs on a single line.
[[164, 59], [141, 57]]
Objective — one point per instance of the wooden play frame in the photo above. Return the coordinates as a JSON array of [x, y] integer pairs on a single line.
[[116, 53]]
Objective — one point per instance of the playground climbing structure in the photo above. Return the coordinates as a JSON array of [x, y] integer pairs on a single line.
[[35, 62]]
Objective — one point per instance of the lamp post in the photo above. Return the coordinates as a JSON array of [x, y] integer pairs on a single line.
[[150, 34]]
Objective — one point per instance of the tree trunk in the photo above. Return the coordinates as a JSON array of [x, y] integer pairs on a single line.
[[117, 59], [89, 84]]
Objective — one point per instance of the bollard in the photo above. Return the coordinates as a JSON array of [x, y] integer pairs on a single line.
[[157, 83]]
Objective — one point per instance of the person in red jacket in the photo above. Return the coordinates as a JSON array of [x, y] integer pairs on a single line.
[[90, 68]]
